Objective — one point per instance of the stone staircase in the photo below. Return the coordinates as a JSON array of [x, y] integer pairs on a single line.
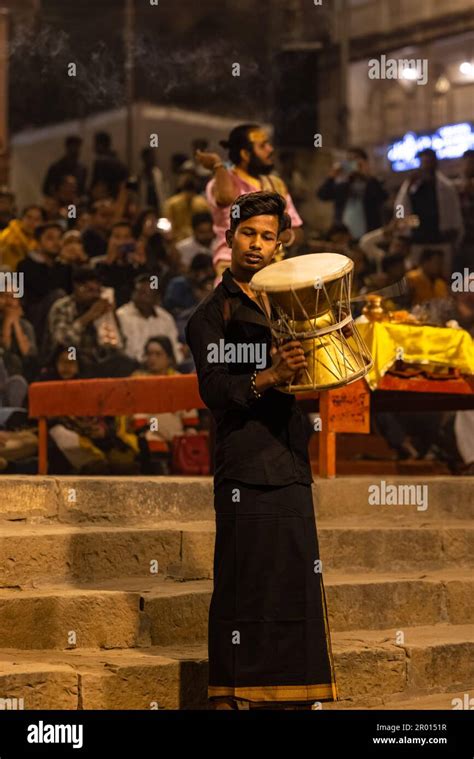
[[105, 586]]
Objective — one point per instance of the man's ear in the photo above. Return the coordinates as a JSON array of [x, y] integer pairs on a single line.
[[229, 236], [245, 155], [277, 250]]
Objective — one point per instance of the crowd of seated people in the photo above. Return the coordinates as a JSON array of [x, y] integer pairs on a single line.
[[97, 272], [111, 267]]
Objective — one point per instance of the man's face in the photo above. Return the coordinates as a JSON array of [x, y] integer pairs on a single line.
[[99, 191], [73, 251], [156, 359], [103, 217], [50, 242], [254, 242], [67, 368], [73, 150], [86, 293], [204, 233], [31, 220], [260, 159], [144, 296], [121, 235], [67, 191], [51, 206], [359, 163]]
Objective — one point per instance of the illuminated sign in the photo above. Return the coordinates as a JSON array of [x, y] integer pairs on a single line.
[[449, 141]]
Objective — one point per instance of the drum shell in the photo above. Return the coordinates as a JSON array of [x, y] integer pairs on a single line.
[[333, 359], [304, 303]]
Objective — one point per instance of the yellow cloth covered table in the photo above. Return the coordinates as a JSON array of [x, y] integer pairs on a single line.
[[388, 342]]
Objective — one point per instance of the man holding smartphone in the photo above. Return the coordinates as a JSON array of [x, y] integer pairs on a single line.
[[357, 195], [124, 261]]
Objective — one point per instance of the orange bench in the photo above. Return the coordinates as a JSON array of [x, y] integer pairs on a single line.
[[346, 409], [134, 395], [108, 397]]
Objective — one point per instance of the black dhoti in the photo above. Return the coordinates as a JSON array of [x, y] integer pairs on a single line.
[[269, 638]]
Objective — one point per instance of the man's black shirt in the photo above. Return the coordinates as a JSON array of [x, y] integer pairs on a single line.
[[424, 201], [260, 441]]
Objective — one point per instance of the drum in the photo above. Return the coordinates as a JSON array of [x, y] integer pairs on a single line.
[[310, 302]]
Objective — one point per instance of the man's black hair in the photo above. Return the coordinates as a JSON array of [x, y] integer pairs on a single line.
[[72, 139], [200, 261], [140, 278], [165, 343], [238, 140], [103, 140], [428, 253], [259, 204], [42, 228], [359, 152], [427, 151], [84, 274], [34, 206], [468, 153], [203, 217]]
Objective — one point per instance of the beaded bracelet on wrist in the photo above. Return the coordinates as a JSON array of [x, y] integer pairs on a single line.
[[254, 386]]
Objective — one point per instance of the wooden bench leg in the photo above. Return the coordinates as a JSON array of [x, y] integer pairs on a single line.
[[327, 441], [42, 446]]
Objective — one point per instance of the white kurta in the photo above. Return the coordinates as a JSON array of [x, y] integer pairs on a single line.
[[138, 329]]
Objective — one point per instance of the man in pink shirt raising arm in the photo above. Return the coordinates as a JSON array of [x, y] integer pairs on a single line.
[[251, 152]]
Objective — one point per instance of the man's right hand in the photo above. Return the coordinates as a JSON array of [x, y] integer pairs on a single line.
[[287, 359], [99, 308], [207, 160]]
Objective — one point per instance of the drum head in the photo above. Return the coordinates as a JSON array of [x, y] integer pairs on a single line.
[[302, 271]]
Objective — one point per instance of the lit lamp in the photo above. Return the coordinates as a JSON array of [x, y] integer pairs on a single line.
[[410, 74], [467, 68], [443, 85]]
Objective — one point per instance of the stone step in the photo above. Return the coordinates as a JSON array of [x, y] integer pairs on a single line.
[[353, 601], [34, 555], [445, 498], [137, 612], [121, 679], [432, 658], [368, 664], [114, 499], [38, 554], [449, 701]]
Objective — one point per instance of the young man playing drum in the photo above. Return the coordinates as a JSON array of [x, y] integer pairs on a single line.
[[269, 642]]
